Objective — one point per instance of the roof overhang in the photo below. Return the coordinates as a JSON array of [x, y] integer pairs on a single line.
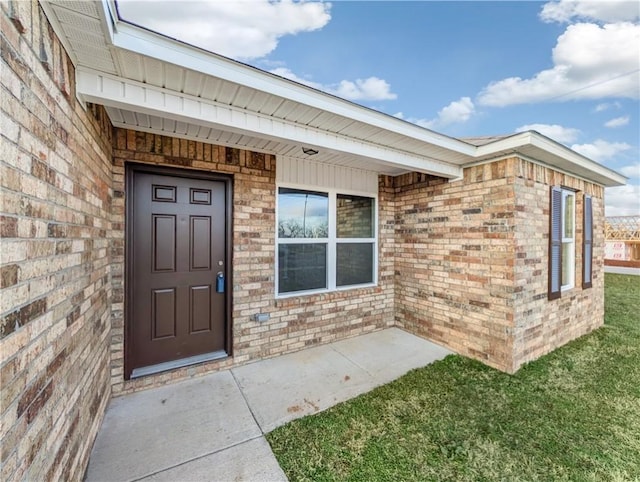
[[152, 83], [534, 145]]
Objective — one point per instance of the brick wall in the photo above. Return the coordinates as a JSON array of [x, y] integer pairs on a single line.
[[454, 264], [542, 325], [55, 195], [472, 262], [462, 263], [295, 323]]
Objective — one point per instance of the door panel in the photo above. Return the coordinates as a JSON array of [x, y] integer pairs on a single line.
[[200, 312], [163, 314], [177, 236], [164, 243], [200, 243]]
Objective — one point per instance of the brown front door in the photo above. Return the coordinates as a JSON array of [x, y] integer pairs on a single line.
[[177, 269]]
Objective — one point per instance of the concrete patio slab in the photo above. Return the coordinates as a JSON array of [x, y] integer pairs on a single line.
[[157, 429], [211, 428], [389, 354], [288, 387], [281, 389], [252, 460]]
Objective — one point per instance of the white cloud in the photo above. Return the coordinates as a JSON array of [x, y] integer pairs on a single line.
[[599, 10], [371, 88], [601, 150], [590, 62], [558, 133], [457, 112], [631, 171], [622, 200], [617, 122], [607, 105], [238, 29]]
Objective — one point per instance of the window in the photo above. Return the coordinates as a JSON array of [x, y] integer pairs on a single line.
[[326, 241], [587, 243], [562, 241]]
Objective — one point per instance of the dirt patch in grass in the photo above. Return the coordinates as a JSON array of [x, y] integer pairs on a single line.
[[572, 415]]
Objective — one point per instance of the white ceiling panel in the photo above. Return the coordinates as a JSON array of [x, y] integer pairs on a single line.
[[211, 88], [130, 118], [86, 37], [143, 120], [270, 105], [89, 9], [193, 83], [155, 123], [131, 66], [181, 128], [78, 21], [153, 71], [286, 108], [161, 126], [174, 77]]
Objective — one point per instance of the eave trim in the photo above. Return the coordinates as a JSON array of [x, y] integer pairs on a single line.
[[115, 91]]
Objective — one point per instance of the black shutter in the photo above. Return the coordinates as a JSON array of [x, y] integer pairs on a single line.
[[587, 243], [555, 243]]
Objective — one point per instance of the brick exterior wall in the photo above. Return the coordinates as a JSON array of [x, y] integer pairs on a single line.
[[472, 262], [542, 325], [295, 323], [55, 294], [454, 267], [462, 263]]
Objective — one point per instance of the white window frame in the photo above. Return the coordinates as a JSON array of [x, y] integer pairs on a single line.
[[571, 241], [331, 241]]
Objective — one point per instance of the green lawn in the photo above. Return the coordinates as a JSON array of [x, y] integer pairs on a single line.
[[572, 415]]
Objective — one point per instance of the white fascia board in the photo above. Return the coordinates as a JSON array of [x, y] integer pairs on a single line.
[[582, 162], [148, 43], [117, 92], [584, 166], [510, 143]]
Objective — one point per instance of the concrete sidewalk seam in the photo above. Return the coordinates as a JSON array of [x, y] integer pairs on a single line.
[[151, 474], [246, 401], [352, 361]]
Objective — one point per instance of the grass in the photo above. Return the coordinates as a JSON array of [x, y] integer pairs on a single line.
[[571, 415]]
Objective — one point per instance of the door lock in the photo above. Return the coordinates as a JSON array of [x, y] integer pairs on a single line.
[[220, 282]]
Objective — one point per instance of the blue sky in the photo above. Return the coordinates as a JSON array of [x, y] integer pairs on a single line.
[[569, 69]]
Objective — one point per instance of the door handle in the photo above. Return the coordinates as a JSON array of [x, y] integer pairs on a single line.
[[220, 282]]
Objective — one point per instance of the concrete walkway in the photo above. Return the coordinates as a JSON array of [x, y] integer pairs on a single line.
[[622, 270], [212, 428]]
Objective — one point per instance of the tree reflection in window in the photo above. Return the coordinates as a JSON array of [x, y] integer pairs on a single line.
[[302, 214]]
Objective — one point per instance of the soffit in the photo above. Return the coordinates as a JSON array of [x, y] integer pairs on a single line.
[[88, 37], [162, 125]]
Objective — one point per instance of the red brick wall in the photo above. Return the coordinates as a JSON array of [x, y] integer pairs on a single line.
[[295, 323], [55, 294]]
